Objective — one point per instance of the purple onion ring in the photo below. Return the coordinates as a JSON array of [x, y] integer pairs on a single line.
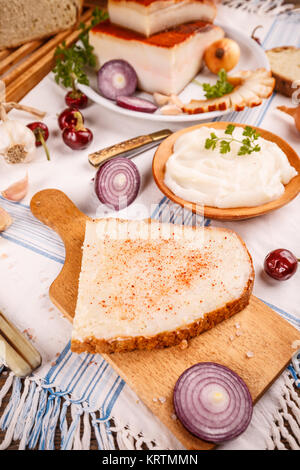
[[117, 183], [115, 78], [212, 402]]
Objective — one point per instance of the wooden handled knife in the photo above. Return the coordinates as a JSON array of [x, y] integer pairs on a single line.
[[129, 148]]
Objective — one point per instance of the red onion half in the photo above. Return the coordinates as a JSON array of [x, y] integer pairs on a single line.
[[212, 402], [117, 183]]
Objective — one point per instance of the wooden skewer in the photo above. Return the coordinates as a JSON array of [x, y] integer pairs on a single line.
[[18, 54]]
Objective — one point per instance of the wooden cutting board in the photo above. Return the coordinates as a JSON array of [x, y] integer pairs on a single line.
[[152, 374]]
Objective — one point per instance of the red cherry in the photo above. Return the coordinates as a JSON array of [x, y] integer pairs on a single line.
[[76, 99], [77, 137], [41, 133], [280, 264], [77, 140], [69, 118], [36, 128]]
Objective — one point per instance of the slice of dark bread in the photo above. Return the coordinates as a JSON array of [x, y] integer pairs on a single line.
[[285, 66], [26, 20]]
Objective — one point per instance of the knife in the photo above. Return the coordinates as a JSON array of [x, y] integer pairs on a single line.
[[129, 148], [16, 352]]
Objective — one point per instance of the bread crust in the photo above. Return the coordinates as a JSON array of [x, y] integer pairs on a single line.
[[35, 37], [171, 338], [283, 84], [166, 338]]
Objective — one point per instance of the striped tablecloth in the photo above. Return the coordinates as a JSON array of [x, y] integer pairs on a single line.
[[31, 256]]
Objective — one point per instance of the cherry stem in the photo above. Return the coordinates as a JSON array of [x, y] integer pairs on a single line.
[[75, 91], [41, 137], [79, 125]]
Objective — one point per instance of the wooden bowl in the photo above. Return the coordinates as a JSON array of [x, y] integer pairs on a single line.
[[165, 150]]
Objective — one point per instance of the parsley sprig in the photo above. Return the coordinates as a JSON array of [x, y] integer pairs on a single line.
[[221, 88], [249, 144], [70, 61]]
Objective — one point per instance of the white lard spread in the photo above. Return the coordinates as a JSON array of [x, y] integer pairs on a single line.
[[226, 180]]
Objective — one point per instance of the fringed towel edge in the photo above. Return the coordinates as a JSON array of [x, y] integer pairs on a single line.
[[35, 411]]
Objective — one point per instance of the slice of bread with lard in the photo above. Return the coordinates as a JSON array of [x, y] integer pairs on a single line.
[[147, 285]]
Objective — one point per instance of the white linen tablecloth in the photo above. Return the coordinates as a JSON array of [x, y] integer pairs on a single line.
[[31, 256]]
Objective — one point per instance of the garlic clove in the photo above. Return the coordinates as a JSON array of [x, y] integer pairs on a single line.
[[170, 109], [174, 99], [16, 191], [160, 99], [5, 220]]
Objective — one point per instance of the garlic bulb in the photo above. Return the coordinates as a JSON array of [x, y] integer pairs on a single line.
[[17, 142]]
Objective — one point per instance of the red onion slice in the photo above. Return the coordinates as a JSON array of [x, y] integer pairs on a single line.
[[117, 183], [136, 104], [212, 402], [115, 78]]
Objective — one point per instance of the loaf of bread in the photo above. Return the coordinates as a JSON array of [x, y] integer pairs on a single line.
[[151, 285], [26, 20], [285, 66]]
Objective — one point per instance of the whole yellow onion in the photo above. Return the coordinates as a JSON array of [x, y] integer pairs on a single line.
[[222, 54]]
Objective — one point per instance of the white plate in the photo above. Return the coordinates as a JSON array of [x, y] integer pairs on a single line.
[[252, 57]]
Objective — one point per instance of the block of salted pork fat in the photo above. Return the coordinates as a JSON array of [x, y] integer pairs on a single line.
[[165, 62], [152, 16]]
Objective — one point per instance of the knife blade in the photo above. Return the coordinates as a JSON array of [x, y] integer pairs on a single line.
[[129, 148]]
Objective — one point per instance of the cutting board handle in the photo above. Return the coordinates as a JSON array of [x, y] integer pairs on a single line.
[[55, 209]]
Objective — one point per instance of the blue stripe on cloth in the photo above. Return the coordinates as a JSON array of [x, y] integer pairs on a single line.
[[266, 108], [12, 404], [114, 398], [158, 206], [287, 316], [59, 364], [29, 233], [167, 211], [32, 248], [3, 199]]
